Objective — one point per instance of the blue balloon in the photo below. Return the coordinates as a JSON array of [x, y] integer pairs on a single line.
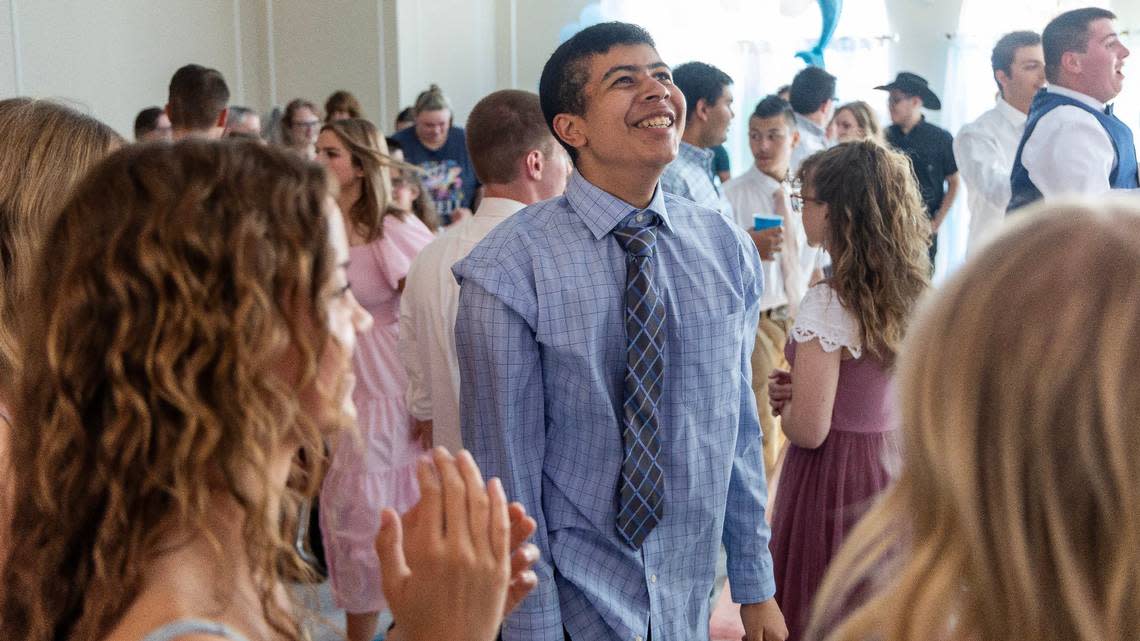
[[590, 15], [830, 10], [567, 32]]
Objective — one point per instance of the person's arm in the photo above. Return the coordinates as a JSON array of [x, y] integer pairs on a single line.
[[746, 531], [1069, 153], [947, 202], [979, 162], [806, 416], [412, 321], [502, 418]]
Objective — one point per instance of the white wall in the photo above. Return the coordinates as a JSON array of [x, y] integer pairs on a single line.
[[9, 49], [114, 57], [320, 48]]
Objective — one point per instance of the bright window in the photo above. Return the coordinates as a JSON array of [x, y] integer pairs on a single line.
[[756, 42]]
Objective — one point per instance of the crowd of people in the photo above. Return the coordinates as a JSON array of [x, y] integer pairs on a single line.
[[536, 377]]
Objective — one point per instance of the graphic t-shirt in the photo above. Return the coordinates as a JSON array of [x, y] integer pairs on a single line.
[[449, 176]]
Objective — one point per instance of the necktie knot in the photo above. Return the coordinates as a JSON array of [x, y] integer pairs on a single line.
[[638, 234], [1108, 109]]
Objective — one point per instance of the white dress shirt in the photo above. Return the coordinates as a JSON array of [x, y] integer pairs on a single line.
[[1069, 152], [751, 193], [427, 321], [813, 138], [985, 150]]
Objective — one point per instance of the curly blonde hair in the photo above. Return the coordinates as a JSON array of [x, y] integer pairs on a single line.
[[878, 236], [46, 147], [173, 286], [1017, 513]]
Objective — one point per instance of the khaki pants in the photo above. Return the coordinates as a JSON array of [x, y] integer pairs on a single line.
[[768, 355]]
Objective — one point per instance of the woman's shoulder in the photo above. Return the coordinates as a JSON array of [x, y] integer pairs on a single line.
[[823, 316]]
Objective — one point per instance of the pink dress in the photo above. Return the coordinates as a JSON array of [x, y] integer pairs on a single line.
[[377, 468], [824, 491]]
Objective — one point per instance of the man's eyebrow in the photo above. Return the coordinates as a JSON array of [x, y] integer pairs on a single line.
[[632, 68], [1109, 37]]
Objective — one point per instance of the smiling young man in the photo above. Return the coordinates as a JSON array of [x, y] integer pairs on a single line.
[[1072, 142], [569, 312], [984, 149]]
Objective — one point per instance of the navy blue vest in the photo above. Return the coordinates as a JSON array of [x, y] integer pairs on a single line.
[[1123, 175]]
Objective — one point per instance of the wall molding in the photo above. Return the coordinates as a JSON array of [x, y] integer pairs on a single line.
[[239, 75], [270, 54], [17, 59]]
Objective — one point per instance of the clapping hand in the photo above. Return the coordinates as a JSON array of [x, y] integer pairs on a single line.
[[447, 566]]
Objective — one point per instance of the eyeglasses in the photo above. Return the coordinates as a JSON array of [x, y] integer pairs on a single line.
[[307, 124], [798, 200]]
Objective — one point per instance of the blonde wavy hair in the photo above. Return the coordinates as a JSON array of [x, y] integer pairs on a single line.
[[46, 147], [173, 286], [1017, 514], [878, 236]]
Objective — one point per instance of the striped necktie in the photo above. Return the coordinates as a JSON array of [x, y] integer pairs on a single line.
[[642, 483]]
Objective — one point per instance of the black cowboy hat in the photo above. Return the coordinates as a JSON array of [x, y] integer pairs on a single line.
[[913, 84]]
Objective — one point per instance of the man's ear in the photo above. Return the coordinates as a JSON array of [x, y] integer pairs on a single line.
[[1071, 62], [534, 162], [700, 110], [569, 129], [222, 118], [1001, 78]]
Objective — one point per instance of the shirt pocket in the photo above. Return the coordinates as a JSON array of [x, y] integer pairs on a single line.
[[705, 360]]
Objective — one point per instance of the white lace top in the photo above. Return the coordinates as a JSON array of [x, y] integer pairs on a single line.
[[822, 316]]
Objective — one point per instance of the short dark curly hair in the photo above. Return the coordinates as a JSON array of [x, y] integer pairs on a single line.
[[560, 89]]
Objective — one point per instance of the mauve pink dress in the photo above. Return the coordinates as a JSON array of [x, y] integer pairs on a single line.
[[378, 469], [823, 492]]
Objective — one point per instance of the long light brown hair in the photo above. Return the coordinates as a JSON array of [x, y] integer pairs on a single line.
[[878, 236], [1017, 513], [173, 286], [46, 147], [865, 117], [369, 151]]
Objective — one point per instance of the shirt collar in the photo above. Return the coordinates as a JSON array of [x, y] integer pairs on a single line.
[[1010, 113], [1076, 95], [804, 121], [491, 207], [602, 211], [921, 123]]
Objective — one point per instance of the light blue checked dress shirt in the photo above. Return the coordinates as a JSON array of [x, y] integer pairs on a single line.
[[541, 341], [691, 176]]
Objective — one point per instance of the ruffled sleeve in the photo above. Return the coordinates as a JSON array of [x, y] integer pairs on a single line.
[[822, 316], [401, 243]]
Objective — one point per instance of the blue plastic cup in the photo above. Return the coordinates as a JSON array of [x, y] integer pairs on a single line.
[[760, 222]]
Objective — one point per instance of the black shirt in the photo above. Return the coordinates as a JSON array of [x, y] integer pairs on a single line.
[[931, 151]]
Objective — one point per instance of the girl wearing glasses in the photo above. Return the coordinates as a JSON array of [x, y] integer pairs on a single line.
[[861, 204]]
